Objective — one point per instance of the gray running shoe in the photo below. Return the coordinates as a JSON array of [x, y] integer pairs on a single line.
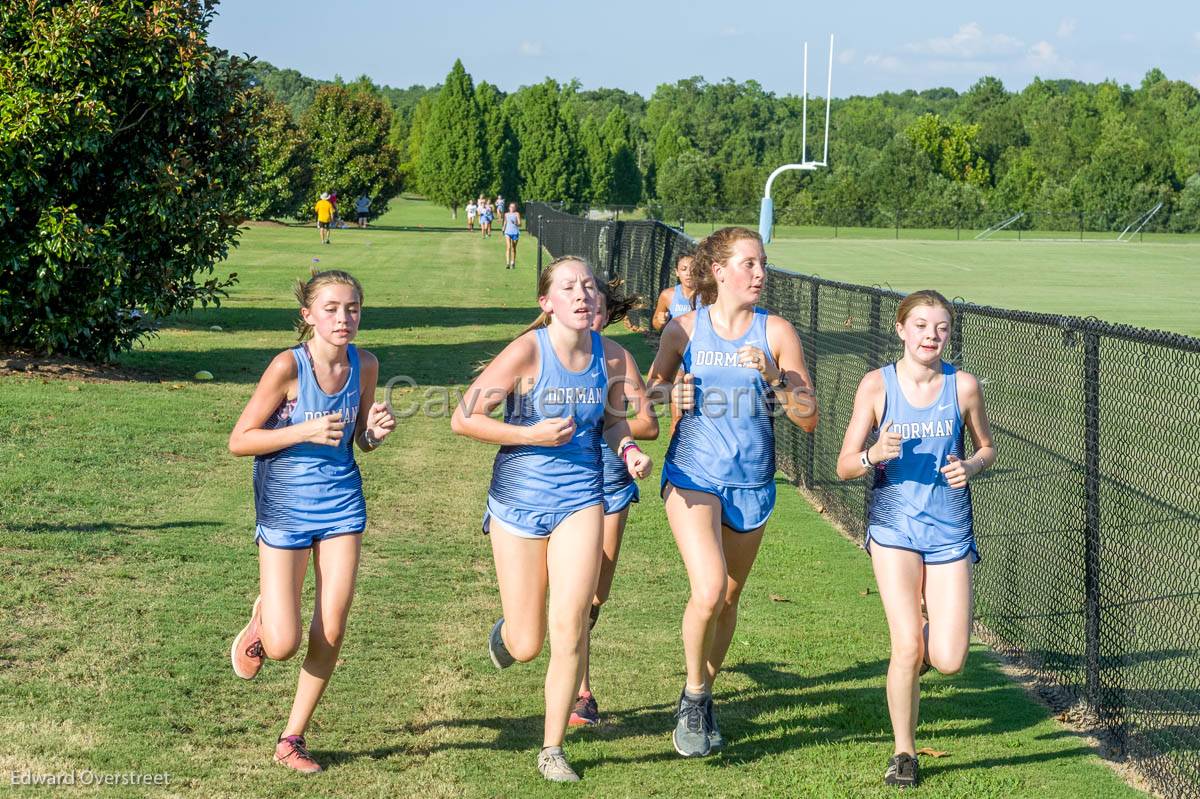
[[496, 648], [903, 771], [554, 766], [691, 727], [715, 739]]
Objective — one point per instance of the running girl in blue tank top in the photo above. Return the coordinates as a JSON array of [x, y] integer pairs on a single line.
[[741, 366], [312, 404], [512, 232], [562, 386], [919, 534], [675, 301], [619, 491]]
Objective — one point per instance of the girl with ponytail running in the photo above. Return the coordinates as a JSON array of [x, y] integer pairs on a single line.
[[741, 365], [561, 384], [919, 530]]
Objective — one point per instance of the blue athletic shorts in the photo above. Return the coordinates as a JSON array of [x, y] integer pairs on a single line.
[[286, 539], [927, 541], [525, 523], [620, 499], [743, 510], [513, 236]]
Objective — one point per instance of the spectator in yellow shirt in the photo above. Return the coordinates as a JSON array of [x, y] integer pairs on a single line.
[[324, 210]]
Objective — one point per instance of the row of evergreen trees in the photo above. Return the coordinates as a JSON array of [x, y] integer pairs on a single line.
[[1097, 153]]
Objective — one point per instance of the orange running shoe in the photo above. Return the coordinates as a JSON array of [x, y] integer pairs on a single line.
[[291, 751], [247, 651]]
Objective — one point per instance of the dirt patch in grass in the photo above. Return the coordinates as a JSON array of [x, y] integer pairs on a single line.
[[62, 368]]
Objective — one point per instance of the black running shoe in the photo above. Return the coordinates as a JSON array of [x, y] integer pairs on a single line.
[[903, 771]]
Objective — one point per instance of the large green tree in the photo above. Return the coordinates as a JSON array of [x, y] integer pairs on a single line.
[[617, 133], [550, 162], [126, 152], [284, 184], [348, 130], [452, 166]]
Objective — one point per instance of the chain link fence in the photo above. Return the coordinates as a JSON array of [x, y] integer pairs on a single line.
[[1089, 524]]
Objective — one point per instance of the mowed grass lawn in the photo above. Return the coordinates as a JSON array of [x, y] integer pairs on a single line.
[[1155, 283], [128, 564]]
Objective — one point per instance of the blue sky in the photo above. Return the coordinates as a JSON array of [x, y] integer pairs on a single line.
[[638, 45]]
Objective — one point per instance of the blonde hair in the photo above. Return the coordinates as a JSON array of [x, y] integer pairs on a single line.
[[715, 248], [306, 294], [923, 297]]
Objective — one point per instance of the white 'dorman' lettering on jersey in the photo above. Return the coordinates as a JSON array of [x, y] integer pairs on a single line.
[[932, 429], [572, 395], [713, 358], [349, 414]]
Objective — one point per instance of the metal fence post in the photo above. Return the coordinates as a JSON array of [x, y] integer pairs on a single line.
[[1091, 530], [539, 238], [810, 355], [874, 349]]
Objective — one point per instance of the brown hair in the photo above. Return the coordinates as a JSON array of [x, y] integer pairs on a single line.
[[306, 293], [923, 297], [617, 305], [716, 248]]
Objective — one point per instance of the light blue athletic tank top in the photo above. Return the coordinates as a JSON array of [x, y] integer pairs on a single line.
[[510, 223], [680, 304], [310, 487], [911, 486], [562, 478], [729, 439]]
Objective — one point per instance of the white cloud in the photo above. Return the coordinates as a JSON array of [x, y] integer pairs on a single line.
[[531, 49], [1042, 54], [846, 57], [730, 31], [1066, 27], [969, 41], [885, 62]]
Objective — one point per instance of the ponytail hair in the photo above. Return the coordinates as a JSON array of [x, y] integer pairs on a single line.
[[306, 294], [716, 248], [617, 305]]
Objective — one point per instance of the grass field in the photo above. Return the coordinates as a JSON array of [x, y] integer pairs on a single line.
[[125, 539]]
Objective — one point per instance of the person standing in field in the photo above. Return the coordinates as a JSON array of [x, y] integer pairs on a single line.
[[362, 207], [512, 232], [920, 532], [324, 209], [741, 365], [620, 491], [313, 403], [676, 301], [559, 382], [472, 210]]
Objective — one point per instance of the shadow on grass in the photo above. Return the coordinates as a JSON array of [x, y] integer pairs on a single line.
[[782, 711], [119, 528], [242, 319], [425, 364]]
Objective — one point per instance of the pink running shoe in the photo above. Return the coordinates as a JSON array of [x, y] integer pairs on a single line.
[[247, 651], [291, 751], [586, 712]]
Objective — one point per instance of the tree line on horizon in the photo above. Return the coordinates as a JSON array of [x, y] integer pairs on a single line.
[[1100, 151]]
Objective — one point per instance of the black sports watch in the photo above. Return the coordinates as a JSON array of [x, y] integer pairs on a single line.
[[780, 382]]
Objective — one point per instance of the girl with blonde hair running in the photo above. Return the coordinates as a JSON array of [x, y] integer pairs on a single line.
[[561, 384]]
